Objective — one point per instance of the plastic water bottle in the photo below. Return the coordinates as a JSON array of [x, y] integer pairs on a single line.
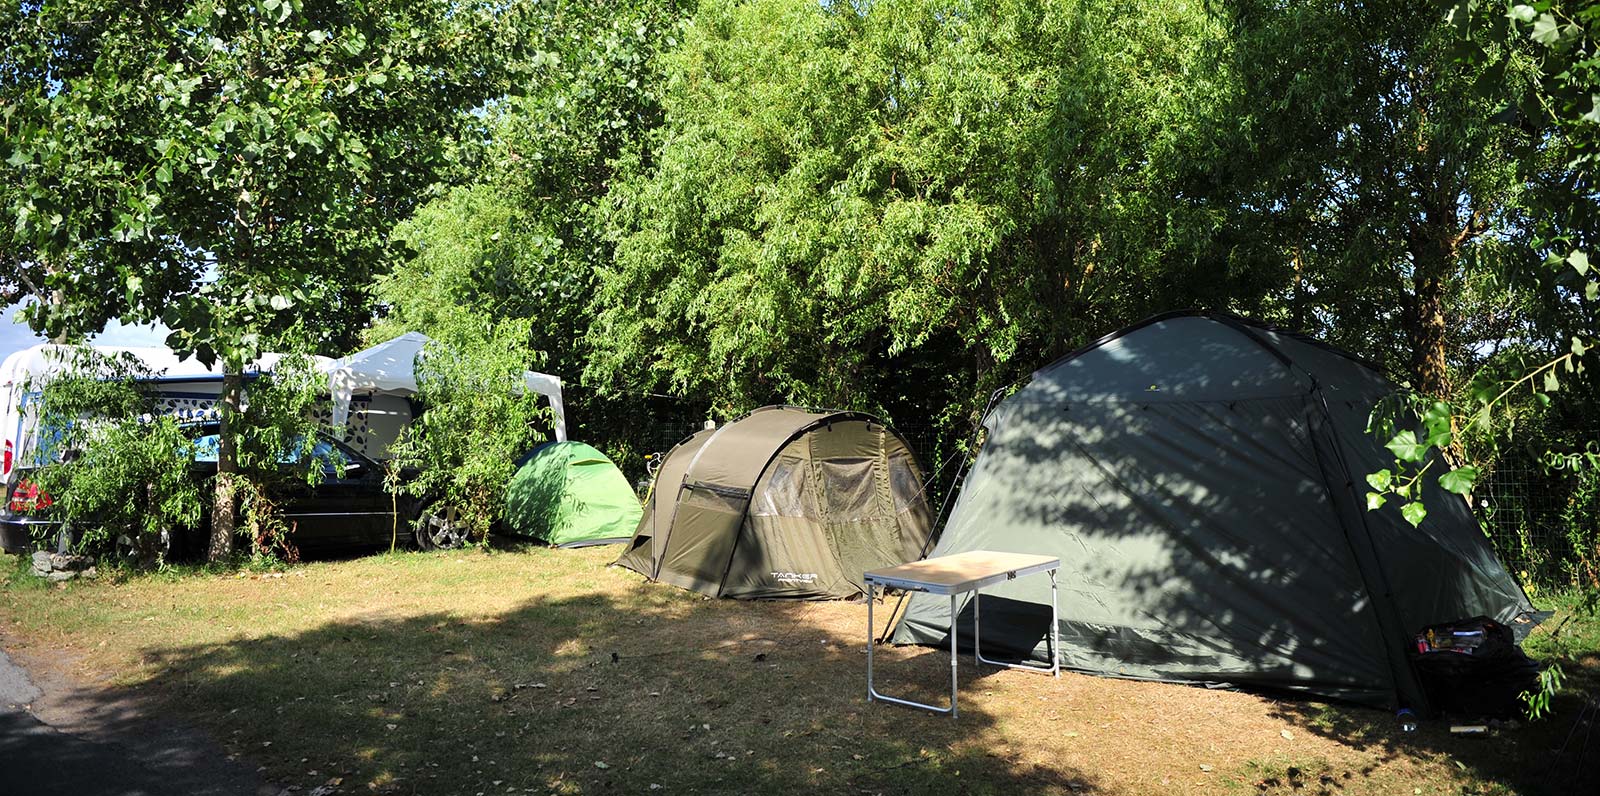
[[1408, 720]]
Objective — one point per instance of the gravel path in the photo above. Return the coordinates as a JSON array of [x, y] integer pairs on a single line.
[[56, 738]]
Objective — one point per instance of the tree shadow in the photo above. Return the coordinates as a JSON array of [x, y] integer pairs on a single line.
[[1557, 756], [594, 693]]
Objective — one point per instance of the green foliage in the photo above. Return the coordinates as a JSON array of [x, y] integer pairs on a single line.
[[230, 169], [262, 149], [1538, 701], [118, 473], [526, 239], [1538, 79], [478, 420], [1359, 152], [278, 433], [1566, 641], [902, 205], [280, 421], [1560, 40]]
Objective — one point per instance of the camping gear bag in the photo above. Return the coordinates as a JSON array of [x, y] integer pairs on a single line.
[[1473, 667]]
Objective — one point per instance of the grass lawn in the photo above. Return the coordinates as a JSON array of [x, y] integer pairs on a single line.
[[545, 671]]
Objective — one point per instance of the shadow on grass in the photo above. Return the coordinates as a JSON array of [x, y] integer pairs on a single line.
[[594, 693], [1558, 755]]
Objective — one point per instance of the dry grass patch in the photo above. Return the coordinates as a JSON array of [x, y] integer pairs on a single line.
[[545, 671]]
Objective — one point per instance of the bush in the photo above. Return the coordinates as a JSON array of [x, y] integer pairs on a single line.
[[118, 474], [276, 434], [478, 418]]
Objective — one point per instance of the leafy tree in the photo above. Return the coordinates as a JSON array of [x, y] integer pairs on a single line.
[[526, 239], [1360, 152], [1535, 91], [904, 205], [231, 169]]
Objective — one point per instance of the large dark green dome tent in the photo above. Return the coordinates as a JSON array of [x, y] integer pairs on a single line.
[[783, 503], [1201, 478]]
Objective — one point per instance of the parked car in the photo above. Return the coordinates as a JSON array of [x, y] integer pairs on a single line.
[[348, 509]]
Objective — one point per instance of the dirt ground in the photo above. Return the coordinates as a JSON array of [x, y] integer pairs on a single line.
[[545, 671]]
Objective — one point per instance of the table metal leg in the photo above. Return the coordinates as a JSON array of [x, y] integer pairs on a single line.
[[1055, 630], [871, 631], [872, 691], [953, 655], [977, 632]]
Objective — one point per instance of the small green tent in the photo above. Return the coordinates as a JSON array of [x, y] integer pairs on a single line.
[[568, 494]]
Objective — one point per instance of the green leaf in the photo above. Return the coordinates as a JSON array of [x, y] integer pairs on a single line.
[[1459, 480], [377, 79], [1406, 448], [1591, 291], [1551, 382], [1578, 348], [1414, 512], [1375, 501], [1380, 480], [280, 303], [1579, 261], [1437, 420], [1522, 13], [1545, 30], [164, 173]]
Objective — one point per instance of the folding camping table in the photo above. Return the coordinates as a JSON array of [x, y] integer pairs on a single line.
[[956, 575]]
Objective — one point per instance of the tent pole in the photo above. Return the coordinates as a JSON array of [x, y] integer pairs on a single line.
[[966, 458], [1391, 638]]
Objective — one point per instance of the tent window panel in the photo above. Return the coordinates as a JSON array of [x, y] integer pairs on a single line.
[[849, 488], [785, 495], [905, 485], [705, 498]]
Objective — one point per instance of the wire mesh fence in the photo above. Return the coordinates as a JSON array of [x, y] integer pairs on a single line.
[[1544, 521]]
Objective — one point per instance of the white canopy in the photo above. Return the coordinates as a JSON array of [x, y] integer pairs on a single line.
[[44, 360], [389, 368]]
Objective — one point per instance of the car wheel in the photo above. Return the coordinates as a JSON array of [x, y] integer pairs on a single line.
[[440, 528]]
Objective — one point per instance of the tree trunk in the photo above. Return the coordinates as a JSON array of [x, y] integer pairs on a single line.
[[58, 297], [1433, 253], [224, 509], [1427, 332]]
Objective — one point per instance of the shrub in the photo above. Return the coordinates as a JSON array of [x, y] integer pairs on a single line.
[[478, 418], [118, 473]]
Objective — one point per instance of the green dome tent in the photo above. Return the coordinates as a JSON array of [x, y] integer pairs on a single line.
[[568, 494], [1200, 477], [783, 503]]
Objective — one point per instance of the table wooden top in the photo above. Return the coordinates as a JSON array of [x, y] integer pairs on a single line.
[[962, 571]]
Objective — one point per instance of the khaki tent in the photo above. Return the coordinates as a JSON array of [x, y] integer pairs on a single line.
[[1202, 479], [782, 503]]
